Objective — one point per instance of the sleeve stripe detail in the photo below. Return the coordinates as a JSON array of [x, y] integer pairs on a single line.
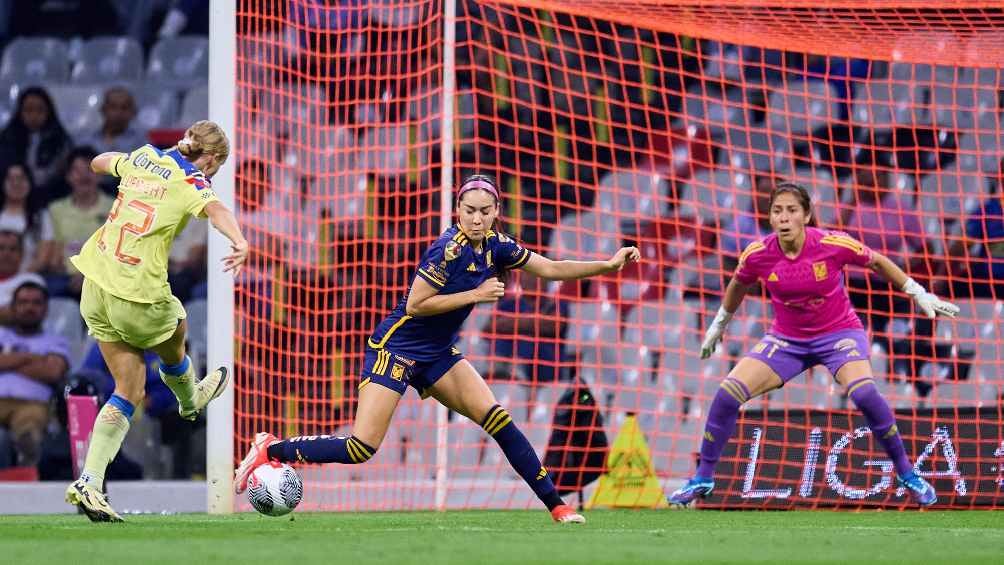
[[751, 249], [844, 242], [431, 278], [522, 260]]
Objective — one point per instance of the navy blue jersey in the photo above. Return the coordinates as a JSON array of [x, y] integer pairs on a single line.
[[451, 265]]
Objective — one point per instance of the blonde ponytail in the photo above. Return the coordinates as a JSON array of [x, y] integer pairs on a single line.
[[204, 137]]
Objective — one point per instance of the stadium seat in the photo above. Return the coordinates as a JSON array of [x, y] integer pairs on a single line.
[[108, 60], [194, 105], [64, 319], [78, 107], [714, 110], [9, 91], [632, 194], [632, 393], [800, 107], [35, 61], [320, 151], [985, 143], [750, 149], [655, 325], [882, 105], [585, 236], [385, 150], [727, 190], [949, 192], [179, 62], [156, 107], [594, 333]]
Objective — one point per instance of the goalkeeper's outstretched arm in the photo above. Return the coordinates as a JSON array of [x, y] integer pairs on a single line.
[[930, 304]]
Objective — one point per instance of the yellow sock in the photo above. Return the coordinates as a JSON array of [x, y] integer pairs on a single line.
[[110, 428], [180, 379]]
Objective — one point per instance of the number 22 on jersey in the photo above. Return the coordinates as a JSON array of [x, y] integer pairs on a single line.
[[149, 214]]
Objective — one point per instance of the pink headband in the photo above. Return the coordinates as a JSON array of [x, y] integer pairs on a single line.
[[478, 184]]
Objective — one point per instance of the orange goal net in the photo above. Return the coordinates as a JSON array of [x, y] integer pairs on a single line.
[[609, 123]]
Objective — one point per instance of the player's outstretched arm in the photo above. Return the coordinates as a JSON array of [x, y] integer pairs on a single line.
[[928, 303], [104, 164], [224, 221], [425, 300], [571, 270], [734, 295]]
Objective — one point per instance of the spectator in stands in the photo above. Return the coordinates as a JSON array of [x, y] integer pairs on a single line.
[[22, 210], [980, 273], [11, 275], [34, 136], [76, 217], [32, 363], [118, 108], [528, 329], [887, 221]]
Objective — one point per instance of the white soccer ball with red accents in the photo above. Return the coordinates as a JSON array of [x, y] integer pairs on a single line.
[[274, 489]]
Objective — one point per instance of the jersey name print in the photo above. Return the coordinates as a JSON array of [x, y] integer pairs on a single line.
[[159, 192]]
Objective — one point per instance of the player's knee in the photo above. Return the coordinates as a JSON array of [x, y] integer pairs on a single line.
[[496, 420], [732, 389], [360, 451]]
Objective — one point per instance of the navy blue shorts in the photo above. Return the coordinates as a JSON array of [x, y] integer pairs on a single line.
[[396, 372]]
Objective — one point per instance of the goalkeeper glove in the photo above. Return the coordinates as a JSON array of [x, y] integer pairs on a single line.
[[714, 332], [930, 304]]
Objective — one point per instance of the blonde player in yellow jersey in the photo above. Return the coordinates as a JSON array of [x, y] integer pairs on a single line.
[[126, 300]]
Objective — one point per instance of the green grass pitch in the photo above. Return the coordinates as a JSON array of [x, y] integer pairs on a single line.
[[512, 538]]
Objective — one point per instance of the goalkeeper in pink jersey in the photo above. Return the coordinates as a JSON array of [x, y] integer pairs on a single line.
[[802, 268]]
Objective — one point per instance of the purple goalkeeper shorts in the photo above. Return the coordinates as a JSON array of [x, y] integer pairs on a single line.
[[789, 357]]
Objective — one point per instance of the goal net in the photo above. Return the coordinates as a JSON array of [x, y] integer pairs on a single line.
[[606, 123]]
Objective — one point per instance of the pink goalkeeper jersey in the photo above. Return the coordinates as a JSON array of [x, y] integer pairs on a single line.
[[807, 292]]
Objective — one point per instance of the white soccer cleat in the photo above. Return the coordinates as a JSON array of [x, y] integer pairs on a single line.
[[565, 514], [208, 388], [257, 455]]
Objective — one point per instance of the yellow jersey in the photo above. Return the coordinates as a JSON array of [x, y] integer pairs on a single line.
[[158, 193]]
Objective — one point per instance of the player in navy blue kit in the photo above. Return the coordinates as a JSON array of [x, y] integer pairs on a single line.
[[415, 346]]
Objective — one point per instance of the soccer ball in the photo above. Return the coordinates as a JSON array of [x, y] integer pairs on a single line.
[[274, 489]]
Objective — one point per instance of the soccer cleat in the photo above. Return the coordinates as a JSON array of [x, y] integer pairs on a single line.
[[91, 502], [687, 495], [257, 455], [921, 490], [208, 388], [565, 514]]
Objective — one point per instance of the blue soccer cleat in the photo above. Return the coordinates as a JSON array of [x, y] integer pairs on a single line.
[[920, 490], [687, 495]]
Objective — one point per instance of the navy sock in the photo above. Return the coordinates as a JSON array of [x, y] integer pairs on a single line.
[[498, 423], [321, 449]]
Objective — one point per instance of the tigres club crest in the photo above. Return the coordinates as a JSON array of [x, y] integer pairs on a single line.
[[452, 250], [819, 269], [397, 372]]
